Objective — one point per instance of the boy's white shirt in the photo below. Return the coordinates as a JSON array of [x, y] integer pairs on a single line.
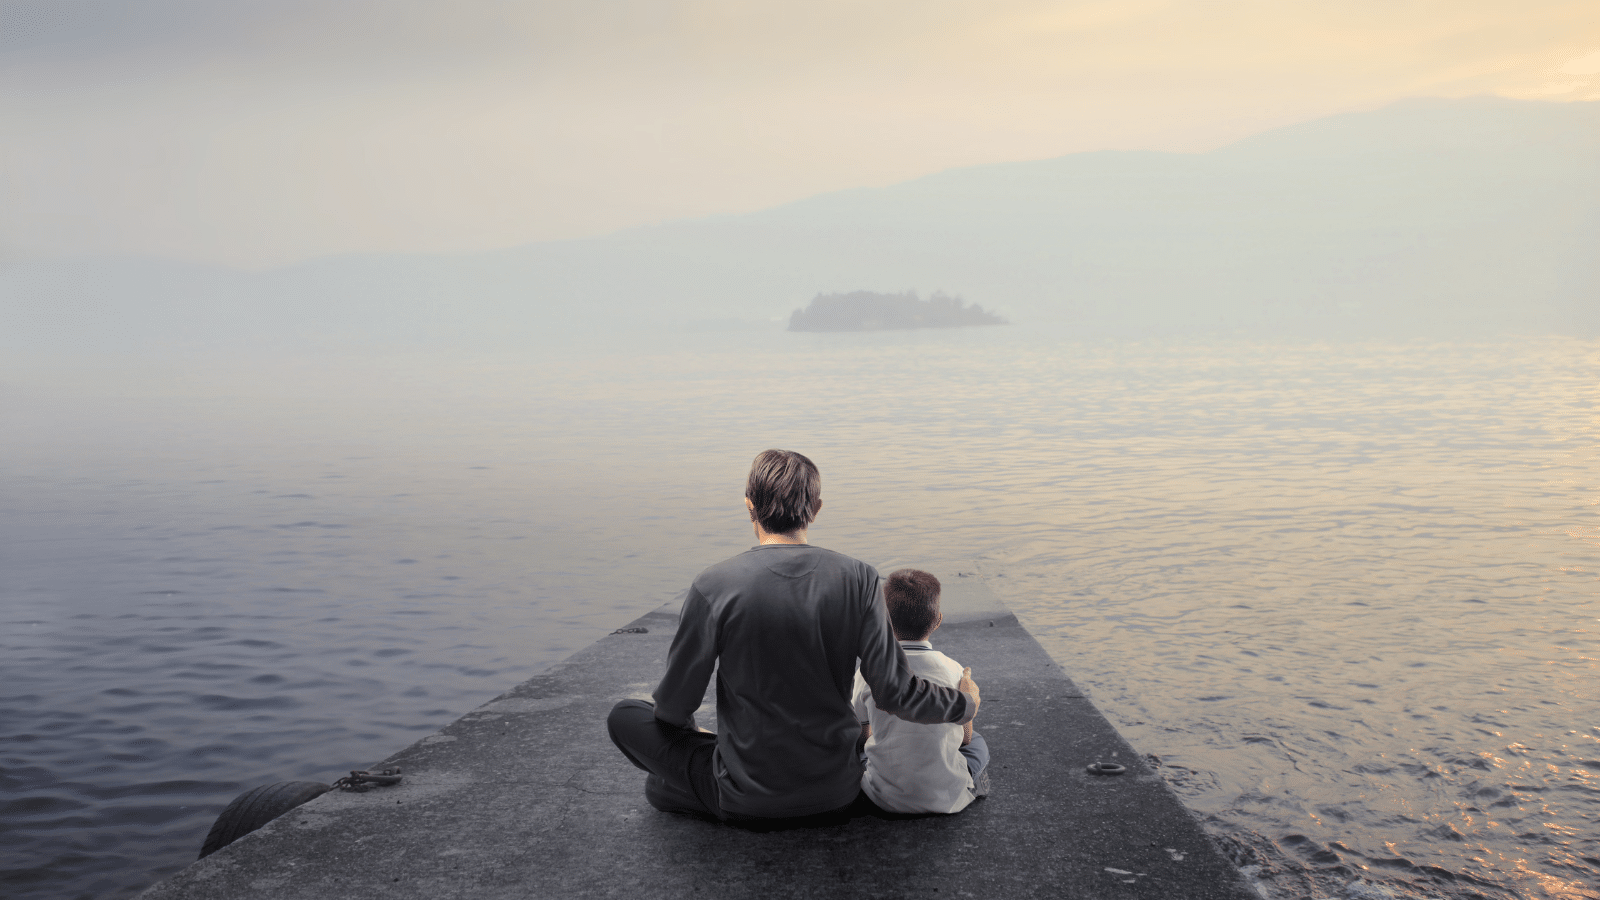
[[913, 768]]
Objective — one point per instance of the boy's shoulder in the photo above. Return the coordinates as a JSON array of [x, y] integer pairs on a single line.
[[926, 661]]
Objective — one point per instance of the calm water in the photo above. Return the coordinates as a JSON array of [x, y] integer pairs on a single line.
[[1346, 595]]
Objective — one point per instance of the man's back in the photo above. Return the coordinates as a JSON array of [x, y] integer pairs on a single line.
[[783, 622]]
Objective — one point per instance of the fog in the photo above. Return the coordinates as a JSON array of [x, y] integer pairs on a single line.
[[1427, 218], [272, 132]]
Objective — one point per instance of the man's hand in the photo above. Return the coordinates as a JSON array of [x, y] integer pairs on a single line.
[[967, 686]]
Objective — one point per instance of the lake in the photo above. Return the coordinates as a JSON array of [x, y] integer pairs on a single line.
[[1344, 594]]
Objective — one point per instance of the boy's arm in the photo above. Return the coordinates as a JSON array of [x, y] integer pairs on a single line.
[[860, 699], [963, 684]]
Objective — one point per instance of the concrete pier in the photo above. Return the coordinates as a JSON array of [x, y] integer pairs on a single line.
[[526, 797]]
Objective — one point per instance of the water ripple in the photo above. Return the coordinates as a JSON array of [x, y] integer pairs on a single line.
[[1343, 596]]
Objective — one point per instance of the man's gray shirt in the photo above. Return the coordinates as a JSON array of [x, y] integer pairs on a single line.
[[788, 623]]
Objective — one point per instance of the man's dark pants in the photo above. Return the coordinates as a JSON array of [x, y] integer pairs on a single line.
[[678, 759]]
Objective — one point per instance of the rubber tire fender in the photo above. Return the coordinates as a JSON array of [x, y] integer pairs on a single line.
[[255, 808]]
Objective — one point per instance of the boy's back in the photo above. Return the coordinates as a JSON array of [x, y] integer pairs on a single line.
[[914, 768]]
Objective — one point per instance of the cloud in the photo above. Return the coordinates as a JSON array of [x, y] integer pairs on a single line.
[[1583, 65], [261, 132]]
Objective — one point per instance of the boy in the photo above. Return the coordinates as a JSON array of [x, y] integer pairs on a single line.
[[912, 768]]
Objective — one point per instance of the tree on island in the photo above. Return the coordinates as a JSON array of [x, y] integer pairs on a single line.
[[869, 311]]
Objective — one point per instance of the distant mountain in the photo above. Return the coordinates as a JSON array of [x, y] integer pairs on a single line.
[[867, 311], [1435, 218]]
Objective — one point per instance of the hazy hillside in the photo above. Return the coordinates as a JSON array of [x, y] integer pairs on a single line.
[[1424, 218]]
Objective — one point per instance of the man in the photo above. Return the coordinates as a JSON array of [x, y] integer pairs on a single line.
[[783, 624]]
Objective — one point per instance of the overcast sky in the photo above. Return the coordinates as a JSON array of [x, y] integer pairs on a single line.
[[260, 132]]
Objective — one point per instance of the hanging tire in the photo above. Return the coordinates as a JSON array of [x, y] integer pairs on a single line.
[[255, 808]]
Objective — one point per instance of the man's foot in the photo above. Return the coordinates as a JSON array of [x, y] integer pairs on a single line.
[[667, 797], [980, 788]]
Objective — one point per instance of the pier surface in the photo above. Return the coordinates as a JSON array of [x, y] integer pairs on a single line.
[[526, 797]]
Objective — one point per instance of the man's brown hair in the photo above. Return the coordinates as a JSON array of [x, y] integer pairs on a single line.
[[786, 490], [912, 596]]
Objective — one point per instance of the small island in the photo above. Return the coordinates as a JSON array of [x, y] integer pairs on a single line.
[[868, 311]]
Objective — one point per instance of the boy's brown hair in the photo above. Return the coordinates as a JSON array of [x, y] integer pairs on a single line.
[[912, 596]]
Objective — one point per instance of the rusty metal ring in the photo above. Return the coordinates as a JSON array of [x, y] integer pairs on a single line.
[[1104, 768]]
